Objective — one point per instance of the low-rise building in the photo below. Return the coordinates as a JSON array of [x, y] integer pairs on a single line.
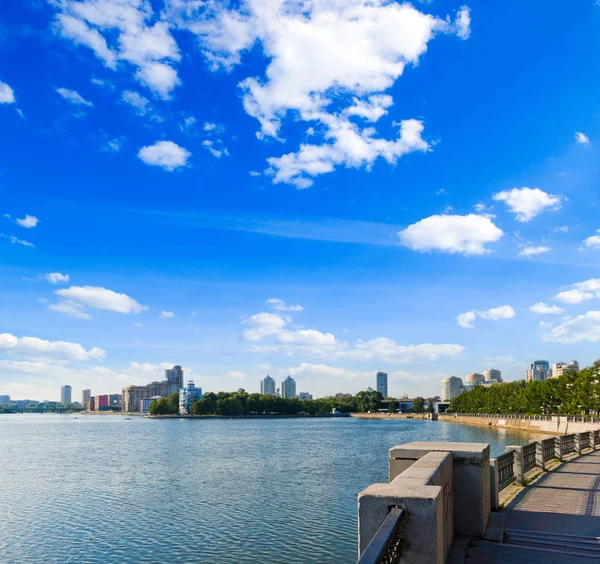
[[144, 405], [187, 396], [559, 368], [305, 396]]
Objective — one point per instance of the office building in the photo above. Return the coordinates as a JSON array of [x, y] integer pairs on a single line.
[[65, 394], [267, 386], [539, 371], [382, 384], [114, 400], [492, 376], [144, 405], [4, 399], [288, 388], [451, 388], [187, 396], [305, 396], [101, 403], [473, 380], [85, 397], [132, 395], [559, 368]]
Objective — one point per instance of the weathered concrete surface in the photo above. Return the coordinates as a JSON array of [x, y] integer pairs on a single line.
[[471, 479], [422, 492]]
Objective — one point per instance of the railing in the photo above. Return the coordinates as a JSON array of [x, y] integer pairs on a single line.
[[568, 418], [385, 546], [584, 440], [506, 470], [567, 444], [596, 438], [548, 447], [529, 457]]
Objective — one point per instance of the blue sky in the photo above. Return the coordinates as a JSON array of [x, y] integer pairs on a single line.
[[323, 189]]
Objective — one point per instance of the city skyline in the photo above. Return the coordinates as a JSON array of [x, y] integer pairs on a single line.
[[427, 205]]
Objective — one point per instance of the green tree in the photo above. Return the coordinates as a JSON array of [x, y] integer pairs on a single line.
[[418, 405], [393, 407]]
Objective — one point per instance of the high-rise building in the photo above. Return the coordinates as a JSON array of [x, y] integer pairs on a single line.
[[559, 368], [174, 377], [382, 384], [65, 394], [539, 371], [451, 388], [85, 397], [267, 386], [132, 395], [473, 380], [288, 388], [492, 376], [187, 396]]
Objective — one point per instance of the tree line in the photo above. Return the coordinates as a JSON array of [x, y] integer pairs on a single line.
[[573, 393]]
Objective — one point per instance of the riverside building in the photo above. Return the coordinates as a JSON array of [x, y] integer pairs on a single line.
[[85, 397], [382, 384], [288, 388], [187, 396], [133, 395], [539, 371], [473, 380], [451, 388], [267, 386], [559, 368], [492, 376], [65, 394]]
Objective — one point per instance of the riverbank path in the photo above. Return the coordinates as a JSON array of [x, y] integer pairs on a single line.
[[556, 516]]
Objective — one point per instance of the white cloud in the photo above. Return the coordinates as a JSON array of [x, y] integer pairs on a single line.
[[236, 375], [165, 154], [212, 127], [467, 319], [320, 54], [466, 234], [28, 221], [280, 305], [306, 337], [70, 308], [216, 152], [526, 203], [386, 349], [530, 251], [73, 97], [463, 23], [584, 327], [580, 292], [166, 315], [34, 347], [188, 123], [7, 95], [582, 138], [254, 173], [593, 242], [561, 229], [16, 241], [55, 277], [123, 30], [544, 309], [114, 145], [97, 297], [263, 325], [137, 101]]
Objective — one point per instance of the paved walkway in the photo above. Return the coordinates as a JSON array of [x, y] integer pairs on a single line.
[[565, 501]]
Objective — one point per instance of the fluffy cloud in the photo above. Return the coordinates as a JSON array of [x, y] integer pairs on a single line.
[[593, 242], [263, 325], [584, 327], [137, 101], [123, 30], [306, 337], [16, 241], [7, 96], [73, 97], [320, 55], [70, 308], [582, 138], [526, 203], [215, 150], [386, 349], [166, 315], [466, 234], [52, 277], [544, 309], [97, 297], [280, 305], [236, 375], [530, 251], [165, 154], [580, 292], [34, 347], [467, 319], [28, 221]]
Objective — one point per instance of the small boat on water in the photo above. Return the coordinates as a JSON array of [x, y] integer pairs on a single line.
[[127, 418]]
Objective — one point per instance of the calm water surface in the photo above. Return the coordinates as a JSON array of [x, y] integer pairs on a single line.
[[102, 489]]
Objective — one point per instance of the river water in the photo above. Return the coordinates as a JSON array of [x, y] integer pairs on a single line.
[[103, 489]]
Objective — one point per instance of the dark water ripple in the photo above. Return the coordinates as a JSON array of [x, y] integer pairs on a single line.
[[101, 489]]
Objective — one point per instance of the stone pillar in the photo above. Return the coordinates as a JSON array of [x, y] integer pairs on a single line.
[[577, 443], [471, 480], [557, 449], [539, 455], [593, 444], [519, 463], [494, 499]]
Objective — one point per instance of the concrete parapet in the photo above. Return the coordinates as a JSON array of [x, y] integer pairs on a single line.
[[519, 463], [471, 479], [494, 489]]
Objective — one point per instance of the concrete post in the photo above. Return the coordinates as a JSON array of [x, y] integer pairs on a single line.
[[593, 444], [557, 449], [519, 463], [539, 455], [494, 500]]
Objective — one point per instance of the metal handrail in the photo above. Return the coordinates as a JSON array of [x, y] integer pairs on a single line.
[[548, 449], [385, 545], [529, 457], [506, 469]]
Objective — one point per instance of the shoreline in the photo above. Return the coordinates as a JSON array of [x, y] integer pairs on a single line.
[[261, 416]]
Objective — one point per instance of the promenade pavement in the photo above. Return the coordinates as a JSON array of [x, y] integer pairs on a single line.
[[562, 503]]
